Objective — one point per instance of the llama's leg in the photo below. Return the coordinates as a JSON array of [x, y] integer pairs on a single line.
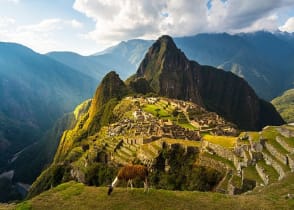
[[131, 181], [146, 185], [113, 184]]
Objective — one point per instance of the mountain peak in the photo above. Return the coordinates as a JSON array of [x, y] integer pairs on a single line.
[[169, 73], [162, 56], [111, 76], [166, 39], [110, 87]]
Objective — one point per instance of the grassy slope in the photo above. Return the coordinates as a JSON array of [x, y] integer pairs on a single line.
[[77, 196], [285, 105], [224, 141]]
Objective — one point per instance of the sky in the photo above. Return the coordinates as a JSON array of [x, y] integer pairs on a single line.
[[89, 26]]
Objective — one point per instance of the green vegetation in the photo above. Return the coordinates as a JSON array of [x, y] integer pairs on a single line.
[[236, 181], [227, 162], [225, 141], [289, 141], [254, 136], [285, 105], [156, 110], [251, 173], [163, 110], [269, 170], [74, 195], [181, 176]]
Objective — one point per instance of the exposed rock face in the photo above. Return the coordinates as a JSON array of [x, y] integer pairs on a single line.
[[169, 73]]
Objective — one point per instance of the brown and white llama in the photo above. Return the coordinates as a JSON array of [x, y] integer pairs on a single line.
[[128, 173]]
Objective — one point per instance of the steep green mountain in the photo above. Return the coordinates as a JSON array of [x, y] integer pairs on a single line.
[[170, 74], [35, 91], [285, 105]]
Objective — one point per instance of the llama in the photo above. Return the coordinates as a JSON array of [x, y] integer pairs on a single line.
[[128, 173]]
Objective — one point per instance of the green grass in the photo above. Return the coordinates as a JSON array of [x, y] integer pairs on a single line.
[[284, 167], [270, 133], [289, 141], [272, 197], [236, 181], [269, 170], [152, 108], [187, 126], [26, 205], [225, 182], [254, 136], [225, 141], [277, 146], [158, 110], [251, 173], [285, 105]]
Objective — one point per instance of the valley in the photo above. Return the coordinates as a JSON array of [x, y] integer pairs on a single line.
[[191, 100]]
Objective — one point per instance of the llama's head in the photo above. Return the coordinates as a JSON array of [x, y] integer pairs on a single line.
[[110, 189]]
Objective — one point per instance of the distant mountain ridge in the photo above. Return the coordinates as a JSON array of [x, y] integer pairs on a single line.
[[35, 91], [265, 66], [123, 58]]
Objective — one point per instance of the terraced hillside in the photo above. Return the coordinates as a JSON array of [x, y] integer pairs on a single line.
[[142, 129], [253, 159], [160, 133]]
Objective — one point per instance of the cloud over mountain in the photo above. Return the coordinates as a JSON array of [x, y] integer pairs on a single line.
[[125, 19]]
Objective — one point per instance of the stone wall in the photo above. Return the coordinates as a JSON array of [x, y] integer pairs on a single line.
[[276, 154], [281, 141], [232, 190], [219, 150], [209, 162], [262, 174], [78, 175], [274, 164], [286, 132], [291, 162]]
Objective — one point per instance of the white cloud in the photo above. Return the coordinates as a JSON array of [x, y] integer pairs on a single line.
[[126, 19], [6, 21], [76, 24], [245, 16], [14, 1], [288, 26], [44, 36], [44, 26]]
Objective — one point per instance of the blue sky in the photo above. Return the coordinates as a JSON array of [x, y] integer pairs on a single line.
[[88, 26]]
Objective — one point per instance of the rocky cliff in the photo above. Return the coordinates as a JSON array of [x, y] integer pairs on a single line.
[[170, 74]]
